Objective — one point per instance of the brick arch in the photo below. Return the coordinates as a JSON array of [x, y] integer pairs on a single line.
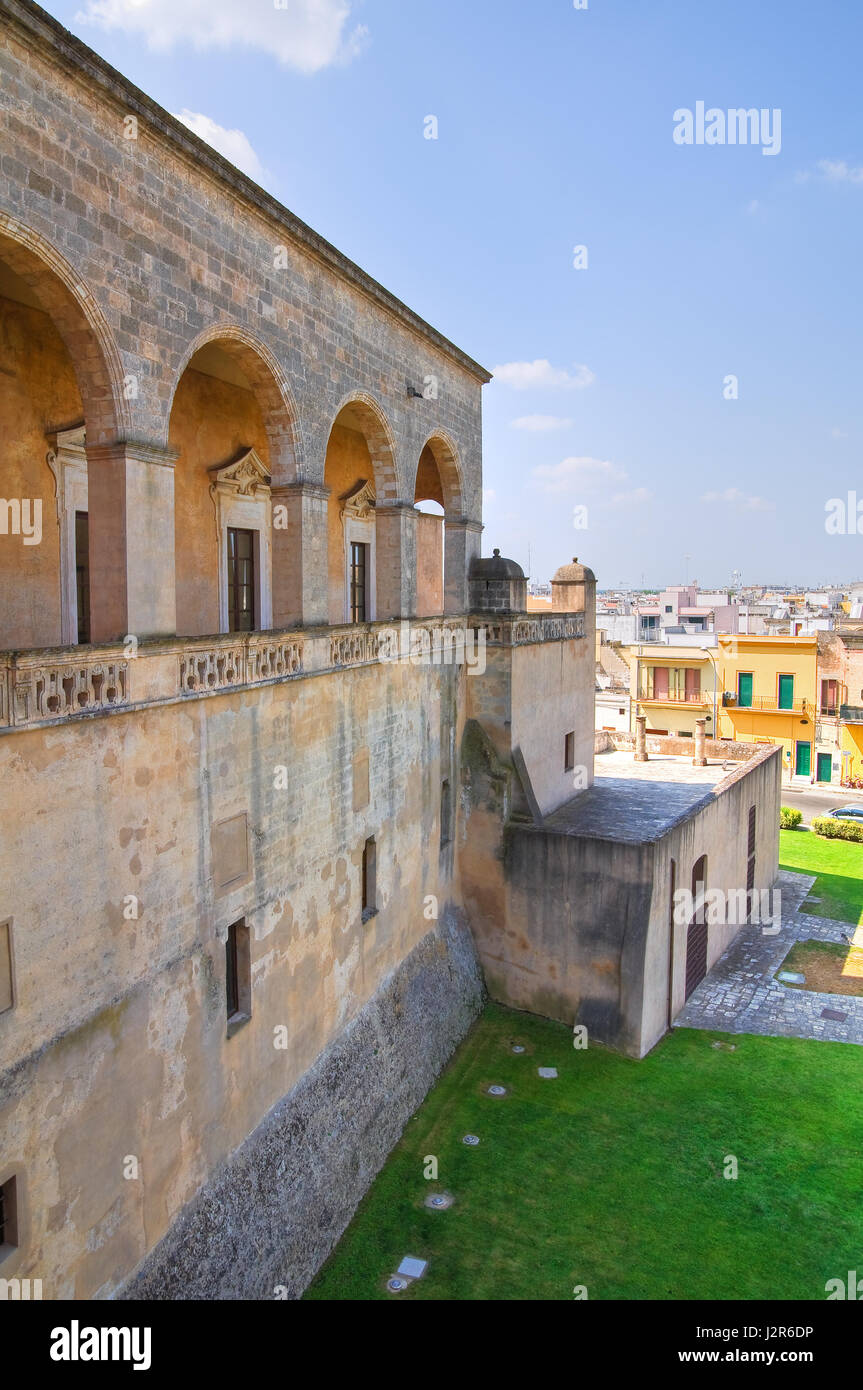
[[81, 324], [442, 447], [271, 388], [362, 412]]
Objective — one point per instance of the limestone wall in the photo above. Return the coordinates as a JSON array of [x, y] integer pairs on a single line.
[[117, 1048]]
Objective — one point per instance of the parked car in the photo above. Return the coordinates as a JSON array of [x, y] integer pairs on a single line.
[[846, 813]]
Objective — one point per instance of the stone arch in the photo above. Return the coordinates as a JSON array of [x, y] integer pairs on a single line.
[[361, 411], [270, 386], [81, 324], [442, 446]]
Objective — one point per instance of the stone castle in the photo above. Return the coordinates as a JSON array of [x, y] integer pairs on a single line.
[[291, 777]]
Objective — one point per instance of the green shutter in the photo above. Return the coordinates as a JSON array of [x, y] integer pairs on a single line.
[[804, 759], [786, 692], [744, 689]]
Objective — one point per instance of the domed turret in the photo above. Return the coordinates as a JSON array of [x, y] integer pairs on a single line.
[[497, 585], [573, 588]]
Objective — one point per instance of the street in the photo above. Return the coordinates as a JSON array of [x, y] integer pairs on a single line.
[[818, 800]]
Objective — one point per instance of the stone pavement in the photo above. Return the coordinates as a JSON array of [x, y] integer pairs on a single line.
[[740, 995]]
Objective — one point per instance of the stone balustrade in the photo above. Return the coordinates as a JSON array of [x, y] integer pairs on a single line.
[[54, 685]]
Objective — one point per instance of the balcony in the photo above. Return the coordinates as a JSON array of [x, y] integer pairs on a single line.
[[851, 714], [697, 699], [769, 704]]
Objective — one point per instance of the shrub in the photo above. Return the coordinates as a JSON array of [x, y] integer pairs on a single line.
[[837, 829], [789, 818]]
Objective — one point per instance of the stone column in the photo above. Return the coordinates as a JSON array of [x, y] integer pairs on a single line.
[[700, 759], [300, 555], [396, 559], [641, 738], [462, 544], [130, 508]]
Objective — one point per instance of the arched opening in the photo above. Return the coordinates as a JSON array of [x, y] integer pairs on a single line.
[[696, 934], [365, 527], [232, 429], [440, 551], [59, 383]]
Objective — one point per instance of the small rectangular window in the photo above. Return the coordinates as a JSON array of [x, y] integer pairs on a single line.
[[238, 975], [358, 581], [82, 574], [241, 580], [369, 877], [445, 813], [7, 992], [569, 752], [8, 1216]]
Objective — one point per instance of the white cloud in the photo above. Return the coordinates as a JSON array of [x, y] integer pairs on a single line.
[[837, 171], [632, 498], [539, 424], [837, 433], [522, 376], [577, 473], [306, 34], [741, 501], [233, 144]]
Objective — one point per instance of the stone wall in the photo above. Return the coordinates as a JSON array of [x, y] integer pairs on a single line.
[[274, 1211]]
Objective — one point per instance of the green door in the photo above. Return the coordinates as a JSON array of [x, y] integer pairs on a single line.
[[786, 693], [804, 759], [744, 689], [825, 767]]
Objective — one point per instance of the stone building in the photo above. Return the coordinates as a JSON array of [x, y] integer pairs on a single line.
[[271, 740]]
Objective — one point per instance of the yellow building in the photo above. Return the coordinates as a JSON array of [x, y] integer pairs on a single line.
[[769, 696], [674, 686]]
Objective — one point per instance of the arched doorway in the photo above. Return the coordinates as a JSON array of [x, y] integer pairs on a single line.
[[232, 428], [60, 391], [438, 496], [696, 955], [364, 579]]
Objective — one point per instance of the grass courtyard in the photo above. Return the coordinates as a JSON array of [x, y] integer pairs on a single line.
[[611, 1176], [838, 864]]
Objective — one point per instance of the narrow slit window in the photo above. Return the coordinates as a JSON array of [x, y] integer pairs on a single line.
[[82, 574], [7, 989], [445, 813], [359, 581], [369, 880], [241, 580], [569, 752], [8, 1216], [238, 975]]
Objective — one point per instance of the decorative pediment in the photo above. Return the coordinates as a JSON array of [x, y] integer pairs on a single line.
[[245, 477], [360, 503]]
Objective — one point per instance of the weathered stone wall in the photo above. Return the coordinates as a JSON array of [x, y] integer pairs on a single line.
[[118, 1044], [274, 1211]]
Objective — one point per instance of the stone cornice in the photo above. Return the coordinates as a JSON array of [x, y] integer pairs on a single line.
[[42, 29]]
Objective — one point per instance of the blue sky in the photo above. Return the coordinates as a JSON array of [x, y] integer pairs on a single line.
[[556, 130]]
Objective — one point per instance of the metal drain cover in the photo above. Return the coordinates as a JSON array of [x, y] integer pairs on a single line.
[[835, 1015], [497, 1090], [439, 1201], [517, 1047], [471, 1140], [397, 1285], [550, 1073]]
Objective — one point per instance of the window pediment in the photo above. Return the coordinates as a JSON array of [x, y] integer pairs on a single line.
[[245, 477], [359, 505]]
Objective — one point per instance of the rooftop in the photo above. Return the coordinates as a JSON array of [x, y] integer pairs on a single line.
[[637, 802]]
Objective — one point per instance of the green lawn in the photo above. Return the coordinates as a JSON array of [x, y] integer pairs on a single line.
[[838, 864], [612, 1177]]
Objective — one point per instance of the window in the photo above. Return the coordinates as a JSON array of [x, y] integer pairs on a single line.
[[699, 884], [786, 692], [82, 574], [8, 1217], [358, 581], [238, 975], [7, 993], [569, 752], [369, 876], [445, 813], [829, 696], [241, 580], [750, 862], [744, 689], [668, 608]]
